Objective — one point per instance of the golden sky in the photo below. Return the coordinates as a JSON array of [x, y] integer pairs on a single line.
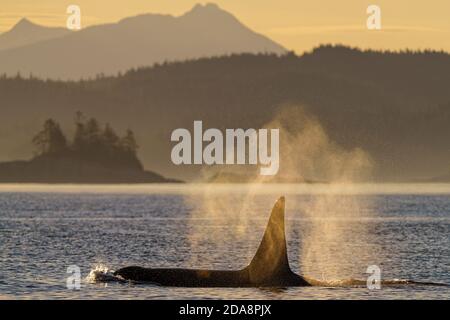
[[296, 24]]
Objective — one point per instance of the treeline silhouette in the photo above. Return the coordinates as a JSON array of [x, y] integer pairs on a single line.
[[92, 143], [394, 105]]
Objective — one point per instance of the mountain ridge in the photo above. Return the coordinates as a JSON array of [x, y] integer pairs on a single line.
[[396, 106], [143, 40], [25, 33]]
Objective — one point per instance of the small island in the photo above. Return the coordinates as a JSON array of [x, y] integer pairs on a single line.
[[96, 154]]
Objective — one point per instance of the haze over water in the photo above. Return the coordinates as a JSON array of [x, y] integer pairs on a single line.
[[334, 233]]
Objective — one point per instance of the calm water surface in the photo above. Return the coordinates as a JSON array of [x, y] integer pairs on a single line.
[[334, 233]]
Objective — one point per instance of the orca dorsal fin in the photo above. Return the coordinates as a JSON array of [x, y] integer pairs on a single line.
[[271, 259]]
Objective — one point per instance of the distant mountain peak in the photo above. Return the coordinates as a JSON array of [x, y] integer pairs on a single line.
[[207, 9], [207, 6], [23, 25], [26, 32], [143, 40], [24, 21]]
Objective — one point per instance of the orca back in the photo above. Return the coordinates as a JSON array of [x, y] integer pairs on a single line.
[[269, 266]]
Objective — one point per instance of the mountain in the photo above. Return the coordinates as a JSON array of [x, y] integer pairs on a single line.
[[26, 33], [143, 40], [395, 106]]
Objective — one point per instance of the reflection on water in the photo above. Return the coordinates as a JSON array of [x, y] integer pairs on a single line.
[[196, 188], [404, 229]]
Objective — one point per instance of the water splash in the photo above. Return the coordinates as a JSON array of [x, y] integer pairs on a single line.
[[101, 273]]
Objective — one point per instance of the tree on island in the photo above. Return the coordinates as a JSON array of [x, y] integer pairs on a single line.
[[50, 140], [91, 143]]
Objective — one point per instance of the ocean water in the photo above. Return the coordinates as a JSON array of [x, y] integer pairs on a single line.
[[334, 234]]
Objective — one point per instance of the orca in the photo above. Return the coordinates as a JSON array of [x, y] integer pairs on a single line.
[[268, 268]]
